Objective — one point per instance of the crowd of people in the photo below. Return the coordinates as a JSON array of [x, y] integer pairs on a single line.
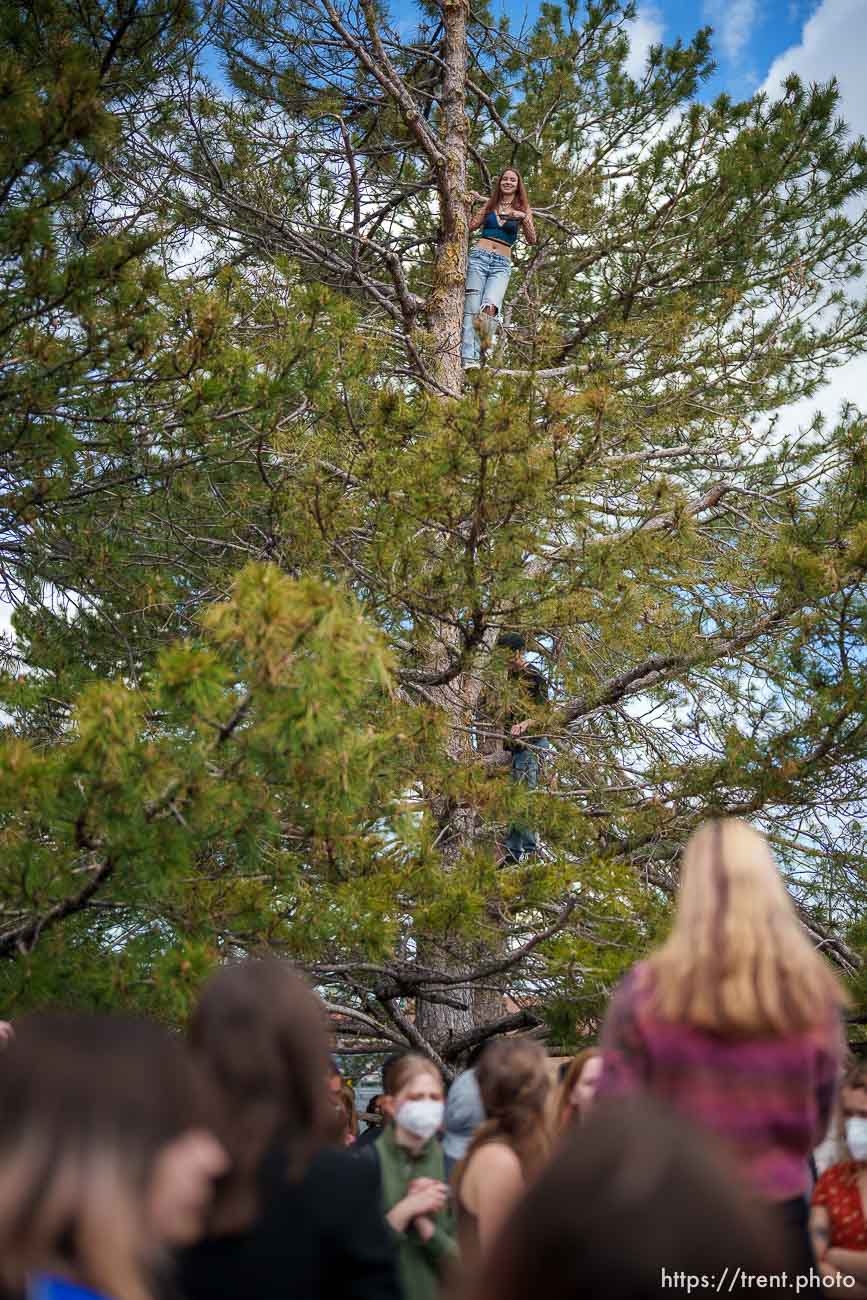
[[715, 1141]]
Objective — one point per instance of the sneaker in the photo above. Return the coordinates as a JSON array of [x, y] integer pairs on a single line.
[[470, 365]]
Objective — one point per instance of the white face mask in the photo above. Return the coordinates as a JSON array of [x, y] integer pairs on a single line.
[[421, 1118], [856, 1137]]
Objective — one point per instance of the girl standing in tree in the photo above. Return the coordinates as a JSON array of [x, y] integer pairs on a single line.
[[505, 214]]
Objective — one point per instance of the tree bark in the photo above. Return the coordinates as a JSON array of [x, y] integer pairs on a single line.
[[445, 305], [458, 829]]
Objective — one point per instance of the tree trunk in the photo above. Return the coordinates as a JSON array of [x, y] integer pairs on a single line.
[[458, 828], [445, 305]]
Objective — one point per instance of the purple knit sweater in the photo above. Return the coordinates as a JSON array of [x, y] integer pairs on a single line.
[[768, 1099]]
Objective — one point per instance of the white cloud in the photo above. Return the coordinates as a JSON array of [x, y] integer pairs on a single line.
[[833, 44], [647, 29], [733, 22]]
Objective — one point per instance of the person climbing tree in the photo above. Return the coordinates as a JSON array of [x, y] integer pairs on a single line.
[[506, 213], [526, 750]]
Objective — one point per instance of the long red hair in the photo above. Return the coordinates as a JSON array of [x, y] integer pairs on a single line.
[[570, 1078], [520, 201]]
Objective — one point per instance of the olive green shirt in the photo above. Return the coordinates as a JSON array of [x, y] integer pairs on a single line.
[[421, 1263]]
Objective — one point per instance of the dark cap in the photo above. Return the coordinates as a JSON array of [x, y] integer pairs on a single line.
[[511, 641]]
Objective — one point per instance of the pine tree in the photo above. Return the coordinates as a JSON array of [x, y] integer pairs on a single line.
[[621, 484]]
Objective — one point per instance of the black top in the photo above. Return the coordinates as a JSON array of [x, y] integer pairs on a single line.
[[319, 1238], [535, 688], [371, 1134]]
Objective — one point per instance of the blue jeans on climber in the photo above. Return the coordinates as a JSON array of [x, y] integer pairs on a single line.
[[526, 768], [487, 280]]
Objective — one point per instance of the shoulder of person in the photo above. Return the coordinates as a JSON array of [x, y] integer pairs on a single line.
[[344, 1174], [638, 979], [828, 1034], [631, 995], [494, 1158]]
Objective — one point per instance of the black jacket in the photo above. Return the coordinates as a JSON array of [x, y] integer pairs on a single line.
[[323, 1238]]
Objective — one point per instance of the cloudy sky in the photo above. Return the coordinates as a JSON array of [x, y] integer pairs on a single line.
[[756, 44], [759, 40]]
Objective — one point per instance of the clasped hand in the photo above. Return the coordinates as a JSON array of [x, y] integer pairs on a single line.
[[424, 1197], [430, 1194]]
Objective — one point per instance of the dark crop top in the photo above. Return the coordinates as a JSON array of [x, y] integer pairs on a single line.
[[506, 233]]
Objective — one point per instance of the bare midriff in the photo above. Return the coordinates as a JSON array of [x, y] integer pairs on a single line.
[[494, 246]]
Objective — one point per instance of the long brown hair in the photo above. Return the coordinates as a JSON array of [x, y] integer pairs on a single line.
[[635, 1193], [347, 1101], [521, 200], [261, 1034], [573, 1073], [513, 1080], [86, 1105], [737, 961]]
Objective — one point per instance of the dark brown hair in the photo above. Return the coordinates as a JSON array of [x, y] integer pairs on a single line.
[[86, 1105], [513, 1080], [261, 1034], [521, 201], [634, 1192]]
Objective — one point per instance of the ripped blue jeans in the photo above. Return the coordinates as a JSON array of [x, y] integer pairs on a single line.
[[487, 280]]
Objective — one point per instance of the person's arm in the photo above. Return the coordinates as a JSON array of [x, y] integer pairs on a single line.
[[539, 695], [529, 228], [425, 1200], [625, 1059], [832, 1261], [437, 1237], [495, 1183], [434, 1229], [820, 1231], [364, 1242], [828, 1061], [479, 217], [852, 1263]]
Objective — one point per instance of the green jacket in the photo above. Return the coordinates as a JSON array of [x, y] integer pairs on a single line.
[[421, 1263]]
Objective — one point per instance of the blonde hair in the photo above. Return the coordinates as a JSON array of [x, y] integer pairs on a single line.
[[738, 962]]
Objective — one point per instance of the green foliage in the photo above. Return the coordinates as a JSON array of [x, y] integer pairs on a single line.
[[209, 800], [260, 563]]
